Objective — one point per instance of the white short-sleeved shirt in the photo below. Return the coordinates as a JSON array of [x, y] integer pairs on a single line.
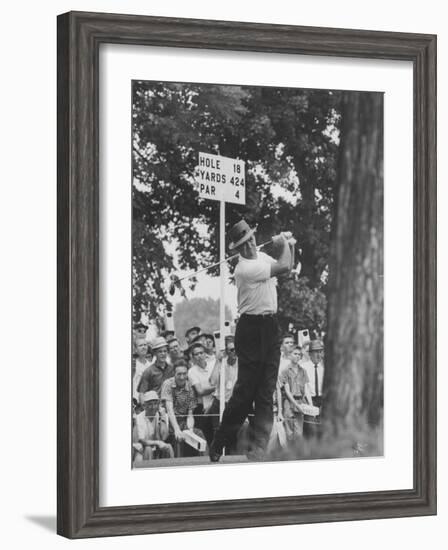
[[198, 375], [309, 367], [257, 290]]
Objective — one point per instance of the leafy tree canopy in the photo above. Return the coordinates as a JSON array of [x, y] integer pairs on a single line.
[[289, 140]]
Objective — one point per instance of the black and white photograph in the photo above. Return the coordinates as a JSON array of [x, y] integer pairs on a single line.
[[257, 242]]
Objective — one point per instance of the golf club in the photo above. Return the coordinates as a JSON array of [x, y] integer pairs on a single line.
[[176, 280]]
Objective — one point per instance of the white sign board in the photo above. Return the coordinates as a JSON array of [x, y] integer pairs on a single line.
[[221, 178]]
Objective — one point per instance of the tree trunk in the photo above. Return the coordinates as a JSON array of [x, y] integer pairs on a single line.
[[353, 385]]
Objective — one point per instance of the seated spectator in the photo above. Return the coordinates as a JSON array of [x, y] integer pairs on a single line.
[[154, 376], [180, 401], [296, 386], [199, 377], [152, 430]]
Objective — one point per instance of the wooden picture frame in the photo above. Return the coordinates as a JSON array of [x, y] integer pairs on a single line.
[[79, 37]]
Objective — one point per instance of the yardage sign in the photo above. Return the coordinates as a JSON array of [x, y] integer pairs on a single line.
[[221, 178]]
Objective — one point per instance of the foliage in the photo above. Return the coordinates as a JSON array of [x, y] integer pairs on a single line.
[[302, 305], [201, 312], [289, 140]]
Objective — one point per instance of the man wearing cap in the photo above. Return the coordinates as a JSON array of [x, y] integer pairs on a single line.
[[257, 341], [151, 430], [191, 334], [159, 371]]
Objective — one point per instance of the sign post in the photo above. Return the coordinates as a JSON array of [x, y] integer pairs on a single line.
[[221, 179]]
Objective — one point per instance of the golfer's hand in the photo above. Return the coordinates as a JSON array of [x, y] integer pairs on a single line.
[[279, 239]]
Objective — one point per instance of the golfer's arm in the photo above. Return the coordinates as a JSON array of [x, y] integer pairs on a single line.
[[283, 264]]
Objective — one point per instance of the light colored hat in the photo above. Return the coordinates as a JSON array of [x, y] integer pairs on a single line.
[[159, 342], [316, 345], [240, 233], [150, 396]]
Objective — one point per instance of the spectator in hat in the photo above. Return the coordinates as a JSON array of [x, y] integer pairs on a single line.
[[315, 370], [159, 371], [180, 401], [199, 377], [314, 367], [191, 334], [151, 431]]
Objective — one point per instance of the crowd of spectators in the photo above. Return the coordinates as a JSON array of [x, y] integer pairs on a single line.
[[177, 393]]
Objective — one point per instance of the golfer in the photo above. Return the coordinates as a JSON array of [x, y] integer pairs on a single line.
[[257, 341]]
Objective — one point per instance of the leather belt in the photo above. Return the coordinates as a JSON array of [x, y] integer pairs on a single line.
[[259, 315]]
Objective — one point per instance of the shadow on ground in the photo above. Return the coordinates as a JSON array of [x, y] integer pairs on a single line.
[[46, 522]]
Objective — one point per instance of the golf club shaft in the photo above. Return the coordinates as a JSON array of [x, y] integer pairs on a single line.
[[179, 279]]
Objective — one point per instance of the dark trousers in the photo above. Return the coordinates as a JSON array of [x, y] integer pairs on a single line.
[[203, 423], [257, 344]]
